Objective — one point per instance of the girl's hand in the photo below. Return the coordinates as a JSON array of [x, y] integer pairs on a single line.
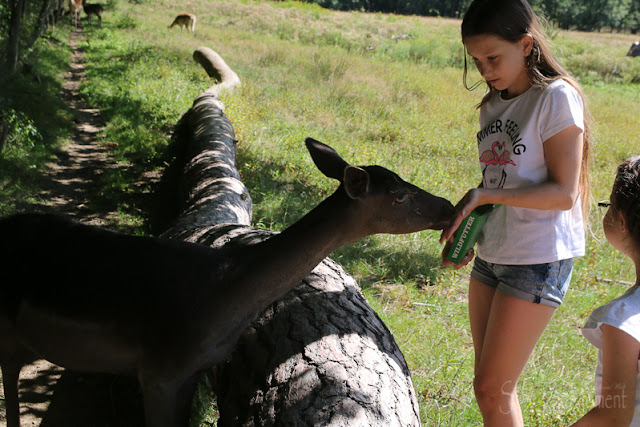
[[445, 262], [469, 202]]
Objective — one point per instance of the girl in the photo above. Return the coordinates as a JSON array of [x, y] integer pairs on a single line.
[[533, 150], [614, 328]]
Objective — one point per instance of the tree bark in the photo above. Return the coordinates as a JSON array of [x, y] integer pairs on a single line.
[[318, 356], [13, 41], [4, 132], [42, 21]]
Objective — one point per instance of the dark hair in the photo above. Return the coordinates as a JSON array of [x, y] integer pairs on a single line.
[[625, 197], [511, 20]]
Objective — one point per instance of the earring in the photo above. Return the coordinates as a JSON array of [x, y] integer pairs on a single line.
[[529, 61], [533, 57]]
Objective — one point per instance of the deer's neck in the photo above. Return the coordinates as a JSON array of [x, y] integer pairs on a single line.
[[282, 261]]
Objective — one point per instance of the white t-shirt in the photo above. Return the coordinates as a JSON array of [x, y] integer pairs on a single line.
[[622, 313], [510, 144]]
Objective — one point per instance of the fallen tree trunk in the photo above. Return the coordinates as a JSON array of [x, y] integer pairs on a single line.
[[318, 356]]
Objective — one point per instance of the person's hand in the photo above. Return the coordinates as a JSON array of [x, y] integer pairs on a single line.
[[445, 251], [469, 202]]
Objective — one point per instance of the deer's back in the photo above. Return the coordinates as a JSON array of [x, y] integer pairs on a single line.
[[95, 300], [147, 288], [50, 258]]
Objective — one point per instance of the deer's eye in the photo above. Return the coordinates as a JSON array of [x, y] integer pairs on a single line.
[[401, 198]]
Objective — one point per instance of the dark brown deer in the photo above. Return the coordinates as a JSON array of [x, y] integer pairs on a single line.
[[163, 310], [93, 9]]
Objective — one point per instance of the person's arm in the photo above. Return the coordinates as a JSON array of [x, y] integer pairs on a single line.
[[563, 157], [447, 247], [620, 352]]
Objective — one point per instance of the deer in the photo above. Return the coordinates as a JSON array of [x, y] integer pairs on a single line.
[[93, 9], [185, 20], [94, 300], [75, 8]]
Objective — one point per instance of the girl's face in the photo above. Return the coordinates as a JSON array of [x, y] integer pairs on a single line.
[[500, 62], [616, 231]]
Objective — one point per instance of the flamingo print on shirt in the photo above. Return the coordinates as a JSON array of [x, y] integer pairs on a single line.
[[494, 160]]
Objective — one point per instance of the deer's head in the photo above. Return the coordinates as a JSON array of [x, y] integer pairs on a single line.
[[385, 202]]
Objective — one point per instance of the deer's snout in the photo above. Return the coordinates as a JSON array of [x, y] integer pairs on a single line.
[[445, 213], [448, 208], [438, 212]]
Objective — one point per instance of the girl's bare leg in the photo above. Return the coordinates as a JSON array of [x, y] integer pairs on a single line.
[[505, 330]]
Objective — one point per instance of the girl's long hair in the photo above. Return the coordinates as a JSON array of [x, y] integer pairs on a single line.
[[511, 20]]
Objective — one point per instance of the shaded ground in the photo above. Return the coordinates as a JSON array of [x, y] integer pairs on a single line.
[[49, 395], [71, 180]]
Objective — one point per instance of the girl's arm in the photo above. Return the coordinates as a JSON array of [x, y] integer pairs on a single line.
[[620, 352], [563, 156]]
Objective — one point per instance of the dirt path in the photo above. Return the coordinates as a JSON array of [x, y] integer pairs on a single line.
[[49, 395], [70, 181]]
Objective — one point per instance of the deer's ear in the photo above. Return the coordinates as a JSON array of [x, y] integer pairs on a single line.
[[326, 159], [356, 182]]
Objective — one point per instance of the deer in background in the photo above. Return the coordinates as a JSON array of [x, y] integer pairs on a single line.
[[164, 310], [75, 8], [54, 12], [185, 20], [93, 9]]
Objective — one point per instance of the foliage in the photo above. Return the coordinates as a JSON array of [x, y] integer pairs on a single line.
[[37, 122], [584, 15], [4, 21], [21, 130], [21, 24]]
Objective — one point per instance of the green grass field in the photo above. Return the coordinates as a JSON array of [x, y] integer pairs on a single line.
[[381, 89]]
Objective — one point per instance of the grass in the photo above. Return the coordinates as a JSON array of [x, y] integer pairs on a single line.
[[381, 89]]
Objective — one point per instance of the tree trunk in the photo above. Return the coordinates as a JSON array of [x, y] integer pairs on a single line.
[[13, 41], [43, 20], [4, 132], [318, 356]]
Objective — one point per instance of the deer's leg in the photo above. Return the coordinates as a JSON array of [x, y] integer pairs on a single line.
[[10, 376], [13, 356], [185, 397], [167, 404]]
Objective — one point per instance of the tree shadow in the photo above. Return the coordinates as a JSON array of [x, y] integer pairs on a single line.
[[287, 341], [56, 397], [88, 400], [39, 118]]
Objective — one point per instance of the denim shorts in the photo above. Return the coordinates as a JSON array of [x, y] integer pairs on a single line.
[[538, 283]]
